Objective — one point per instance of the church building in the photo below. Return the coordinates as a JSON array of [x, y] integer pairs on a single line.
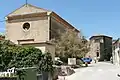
[[34, 26]]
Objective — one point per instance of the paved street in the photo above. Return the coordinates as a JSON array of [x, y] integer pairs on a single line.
[[98, 71]]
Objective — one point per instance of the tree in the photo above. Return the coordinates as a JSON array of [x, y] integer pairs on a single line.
[[2, 36], [46, 63], [18, 56], [26, 57], [20, 74], [71, 45], [5, 54]]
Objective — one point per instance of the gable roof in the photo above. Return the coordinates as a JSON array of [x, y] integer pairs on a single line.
[[27, 9], [116, 41], [99, 35]]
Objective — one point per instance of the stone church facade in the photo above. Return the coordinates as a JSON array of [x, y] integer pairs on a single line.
[[31, 25]]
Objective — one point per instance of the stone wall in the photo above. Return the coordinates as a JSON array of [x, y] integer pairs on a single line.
[[56, 28], [39, 29]]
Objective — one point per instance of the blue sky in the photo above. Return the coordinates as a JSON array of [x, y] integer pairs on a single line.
[[90, 16]]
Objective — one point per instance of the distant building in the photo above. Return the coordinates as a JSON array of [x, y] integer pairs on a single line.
[[116, 52], [100, 47], [34, 26]]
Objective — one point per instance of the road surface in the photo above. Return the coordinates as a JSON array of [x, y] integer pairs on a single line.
[[98, 71]]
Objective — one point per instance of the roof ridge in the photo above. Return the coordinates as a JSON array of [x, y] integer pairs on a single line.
[[26, 6], [38, 7]]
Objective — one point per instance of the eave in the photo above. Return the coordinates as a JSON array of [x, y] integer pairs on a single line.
[[37, 43], [43, 14], [61, 20]]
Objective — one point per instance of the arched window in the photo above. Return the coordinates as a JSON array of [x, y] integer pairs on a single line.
[[97, 54]]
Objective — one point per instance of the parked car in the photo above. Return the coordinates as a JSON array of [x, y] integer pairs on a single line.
[[88, 60]]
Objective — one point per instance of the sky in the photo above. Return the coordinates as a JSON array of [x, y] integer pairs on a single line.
[[91, 17]]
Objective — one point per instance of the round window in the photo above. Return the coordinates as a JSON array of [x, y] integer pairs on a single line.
[[26, 26]]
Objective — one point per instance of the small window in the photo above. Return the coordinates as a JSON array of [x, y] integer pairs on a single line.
[[97, 40], [97, 54], [26, 26]]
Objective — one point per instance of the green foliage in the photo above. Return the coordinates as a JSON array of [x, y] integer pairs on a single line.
[[71, 45], [2, 35], [79, 62], [26, 57], [12, 55], [21, 73], [47, 62], [5, 54]]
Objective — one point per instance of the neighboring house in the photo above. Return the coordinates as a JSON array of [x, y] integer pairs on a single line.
[[116, 52], [31, 25], [100, 47]]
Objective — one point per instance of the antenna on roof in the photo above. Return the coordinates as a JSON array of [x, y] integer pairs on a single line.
[[26, 2]]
